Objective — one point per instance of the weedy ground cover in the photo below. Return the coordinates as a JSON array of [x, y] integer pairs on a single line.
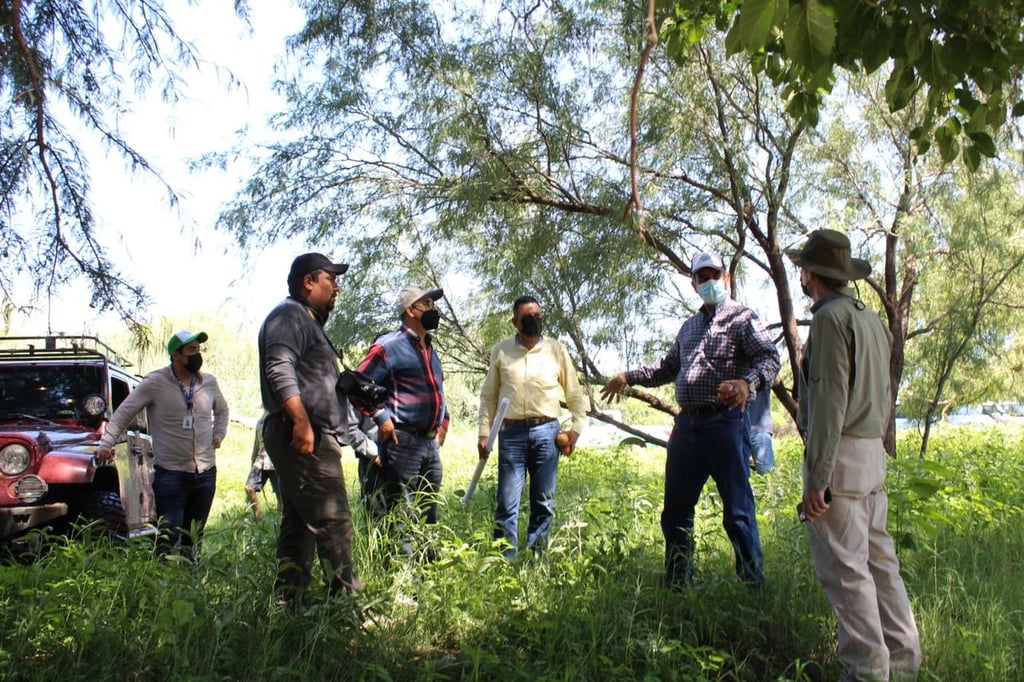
[[590, 608]]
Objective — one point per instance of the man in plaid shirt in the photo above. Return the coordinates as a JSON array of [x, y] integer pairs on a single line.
[[721, 357]]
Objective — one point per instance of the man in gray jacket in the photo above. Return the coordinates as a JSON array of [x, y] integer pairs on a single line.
[[305, 429], [188, 418], [844, 412]]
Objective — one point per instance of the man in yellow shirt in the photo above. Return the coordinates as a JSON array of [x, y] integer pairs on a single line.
[[533, 372]]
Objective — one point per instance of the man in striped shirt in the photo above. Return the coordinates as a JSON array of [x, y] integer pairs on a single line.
[[720, 358], [413, 423]]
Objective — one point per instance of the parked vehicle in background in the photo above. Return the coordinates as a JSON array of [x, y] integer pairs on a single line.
[[1013, 412], [602, 434], [970, 415], [1005, 412], [56, 395]]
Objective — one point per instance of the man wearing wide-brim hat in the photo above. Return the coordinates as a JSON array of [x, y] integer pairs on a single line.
[[844, 412]]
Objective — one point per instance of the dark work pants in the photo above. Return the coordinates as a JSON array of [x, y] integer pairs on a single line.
[[315, 514]]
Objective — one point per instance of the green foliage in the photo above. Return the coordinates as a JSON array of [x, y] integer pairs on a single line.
[[482, 160], [61, 61], [590, 608], [964, 57], [967, 313]]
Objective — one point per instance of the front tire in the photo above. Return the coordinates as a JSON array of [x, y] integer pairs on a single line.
[[103, 506]]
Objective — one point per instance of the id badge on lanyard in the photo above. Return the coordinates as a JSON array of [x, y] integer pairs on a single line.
[[188, 422]]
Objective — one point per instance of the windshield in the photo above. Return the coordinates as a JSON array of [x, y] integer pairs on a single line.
[[48, 391]]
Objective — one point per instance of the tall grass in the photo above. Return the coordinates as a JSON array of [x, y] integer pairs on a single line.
[[590, 608]]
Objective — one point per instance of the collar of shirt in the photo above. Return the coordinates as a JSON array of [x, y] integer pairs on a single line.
[[841, 292], [315, 314], [710, 313], [413, 337], [540, 342]]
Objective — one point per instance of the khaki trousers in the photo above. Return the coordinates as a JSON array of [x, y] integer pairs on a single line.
[[856, 563]]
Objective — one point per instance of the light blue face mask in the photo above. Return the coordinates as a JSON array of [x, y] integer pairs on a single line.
[[713, 291]]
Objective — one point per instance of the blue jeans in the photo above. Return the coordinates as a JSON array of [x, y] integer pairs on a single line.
[[183, 498], [526, 450], [412, 482], [699, 447], [761, 451]]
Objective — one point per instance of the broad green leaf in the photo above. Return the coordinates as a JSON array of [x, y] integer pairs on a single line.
[[757, 18], [797, 105], [984, 144], [901, 86], [972, 158], [978, 120], [923, 487], [733, 44], [877, 50], [809, 35], [933, 69], [915, 40], [774, 67], [949, 148]]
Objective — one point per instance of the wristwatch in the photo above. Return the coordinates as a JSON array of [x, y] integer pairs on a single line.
[[751, 388]]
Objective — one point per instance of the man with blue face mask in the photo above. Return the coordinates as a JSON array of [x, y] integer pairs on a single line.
[[720, 358]]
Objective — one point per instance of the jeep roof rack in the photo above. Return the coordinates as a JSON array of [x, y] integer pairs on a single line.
[[57, 346]]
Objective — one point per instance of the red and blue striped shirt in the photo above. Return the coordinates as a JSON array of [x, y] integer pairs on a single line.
[[412, 374]]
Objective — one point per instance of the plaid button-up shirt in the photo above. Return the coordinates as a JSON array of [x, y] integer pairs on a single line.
[[727, 342]]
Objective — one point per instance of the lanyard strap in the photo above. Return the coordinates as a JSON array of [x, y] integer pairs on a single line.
[[191, 389]]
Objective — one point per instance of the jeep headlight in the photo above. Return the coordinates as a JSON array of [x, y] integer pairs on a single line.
[[94, 405], [14, 459]]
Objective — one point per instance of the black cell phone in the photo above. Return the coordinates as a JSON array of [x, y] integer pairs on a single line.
[[800, 505]]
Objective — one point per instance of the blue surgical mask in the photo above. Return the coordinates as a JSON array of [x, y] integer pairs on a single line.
[[713, 291]]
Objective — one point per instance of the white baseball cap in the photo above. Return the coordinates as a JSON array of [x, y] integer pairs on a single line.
[[707, 259]]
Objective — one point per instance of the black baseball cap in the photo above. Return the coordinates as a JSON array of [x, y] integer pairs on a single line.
[[311, 262]]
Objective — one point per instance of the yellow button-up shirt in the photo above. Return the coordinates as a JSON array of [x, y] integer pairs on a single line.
[[534, 380]]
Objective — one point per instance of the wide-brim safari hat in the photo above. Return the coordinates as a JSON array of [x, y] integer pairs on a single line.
[[827, 253]]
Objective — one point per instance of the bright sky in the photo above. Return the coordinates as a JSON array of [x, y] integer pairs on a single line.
[[184, 264]]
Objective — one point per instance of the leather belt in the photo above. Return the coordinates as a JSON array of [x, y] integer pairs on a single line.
[[408, 428], [529, 421], [702, 410]]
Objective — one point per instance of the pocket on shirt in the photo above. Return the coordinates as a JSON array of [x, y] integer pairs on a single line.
[[722, 347]]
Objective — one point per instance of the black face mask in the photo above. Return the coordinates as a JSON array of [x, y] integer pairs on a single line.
[[430, 319], [193, 362], [531, 325]]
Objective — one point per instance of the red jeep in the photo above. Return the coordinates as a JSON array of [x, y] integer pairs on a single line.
[[56, 394]]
